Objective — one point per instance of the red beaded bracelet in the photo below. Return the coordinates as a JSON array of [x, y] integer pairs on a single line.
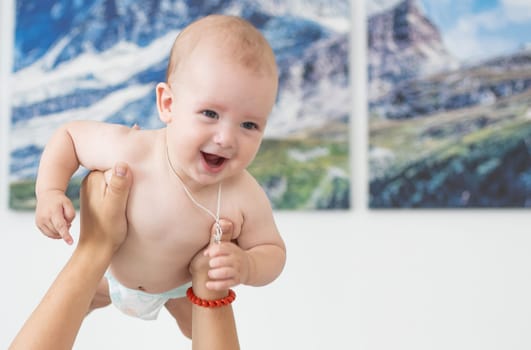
[[210, 303]]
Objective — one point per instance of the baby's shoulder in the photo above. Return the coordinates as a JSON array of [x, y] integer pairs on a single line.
[[246, 190], [141, 145], [245, 181]]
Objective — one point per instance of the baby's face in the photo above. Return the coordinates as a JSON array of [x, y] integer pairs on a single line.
[[219, 115]]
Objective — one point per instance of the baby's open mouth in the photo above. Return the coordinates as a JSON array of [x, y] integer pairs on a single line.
[[213, 160]]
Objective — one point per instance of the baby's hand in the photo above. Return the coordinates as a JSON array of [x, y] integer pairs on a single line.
[[54, 215], [229, 265]]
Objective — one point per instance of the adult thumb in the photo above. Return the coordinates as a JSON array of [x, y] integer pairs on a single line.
[[227, 229], [119, 186]]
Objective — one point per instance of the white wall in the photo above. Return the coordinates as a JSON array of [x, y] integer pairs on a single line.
[[358, 279]]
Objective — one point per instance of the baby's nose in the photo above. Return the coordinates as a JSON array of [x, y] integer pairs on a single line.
[[225, 137]]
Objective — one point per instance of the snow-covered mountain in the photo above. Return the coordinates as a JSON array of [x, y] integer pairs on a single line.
[[402, 44], [100, 60], [411, 73], [98, 25], [373, 7]]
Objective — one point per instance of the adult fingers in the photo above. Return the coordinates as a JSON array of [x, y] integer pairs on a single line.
[[118, 188], [69, 212], [227, 229]]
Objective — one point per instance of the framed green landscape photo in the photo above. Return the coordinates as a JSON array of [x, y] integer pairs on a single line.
[[100, 60], [449, 86]]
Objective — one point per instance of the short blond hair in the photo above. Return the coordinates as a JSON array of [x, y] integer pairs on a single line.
[[238, 38]]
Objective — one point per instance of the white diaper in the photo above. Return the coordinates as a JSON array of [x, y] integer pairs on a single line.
[[140, 304]]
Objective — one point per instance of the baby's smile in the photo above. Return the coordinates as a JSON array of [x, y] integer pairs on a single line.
[[213, 161]]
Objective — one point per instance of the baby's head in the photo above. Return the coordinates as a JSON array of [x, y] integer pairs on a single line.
[[221, 85], [233, 38]]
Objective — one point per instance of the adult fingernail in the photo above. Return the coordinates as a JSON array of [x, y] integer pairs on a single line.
[[120, 170]]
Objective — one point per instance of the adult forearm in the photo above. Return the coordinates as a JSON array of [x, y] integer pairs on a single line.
[[212, 328], [56, 320], [266, 263]]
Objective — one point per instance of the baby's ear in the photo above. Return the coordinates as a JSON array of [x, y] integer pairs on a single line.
[[164, 102]]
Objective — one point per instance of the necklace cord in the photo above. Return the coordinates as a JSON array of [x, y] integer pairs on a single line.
[[219, 231]]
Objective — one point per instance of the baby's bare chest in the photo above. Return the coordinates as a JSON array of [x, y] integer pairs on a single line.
[[169, 219]]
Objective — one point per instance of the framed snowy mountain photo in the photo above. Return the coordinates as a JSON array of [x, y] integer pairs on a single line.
[[449, 90], [101, 59]]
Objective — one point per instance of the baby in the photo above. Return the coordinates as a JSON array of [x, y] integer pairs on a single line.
[[221, 85]]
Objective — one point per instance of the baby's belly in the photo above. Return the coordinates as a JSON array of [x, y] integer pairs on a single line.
[[156, 262], [163, 238]]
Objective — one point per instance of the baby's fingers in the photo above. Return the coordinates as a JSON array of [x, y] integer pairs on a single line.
[[223, 273], [61, 227], [48, 230], [221, 285]]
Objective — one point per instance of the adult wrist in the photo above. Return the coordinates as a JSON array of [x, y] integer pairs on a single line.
[[211, 302], [91, 262], [98, 252], [201, 290]]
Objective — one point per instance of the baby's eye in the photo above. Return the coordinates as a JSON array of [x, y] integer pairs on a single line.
[[210, 114], [249, 125]]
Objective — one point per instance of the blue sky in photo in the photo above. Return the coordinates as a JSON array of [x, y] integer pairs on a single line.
[[476, 29]]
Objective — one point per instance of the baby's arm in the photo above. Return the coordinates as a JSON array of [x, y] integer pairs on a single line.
[[55, 212], [76, 143], [262, 242]]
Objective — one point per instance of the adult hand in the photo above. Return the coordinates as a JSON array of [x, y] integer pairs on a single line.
[[212, 328], [199, 266], [56, 321], [103, 207]]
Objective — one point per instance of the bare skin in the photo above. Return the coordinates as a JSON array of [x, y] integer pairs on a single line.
[[55, 322], [212, 132], [212, 328]]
